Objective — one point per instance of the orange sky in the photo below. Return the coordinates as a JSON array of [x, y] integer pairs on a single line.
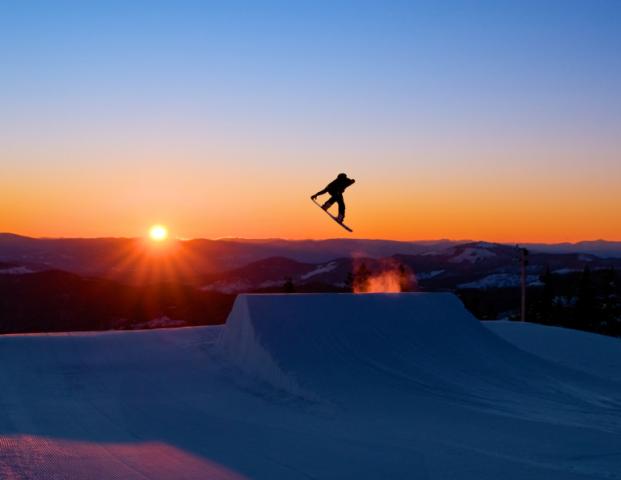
[[477, 203]]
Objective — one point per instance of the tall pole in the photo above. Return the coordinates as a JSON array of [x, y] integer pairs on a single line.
[[523, 264]]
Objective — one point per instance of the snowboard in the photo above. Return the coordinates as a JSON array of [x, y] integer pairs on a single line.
[[333, 217]]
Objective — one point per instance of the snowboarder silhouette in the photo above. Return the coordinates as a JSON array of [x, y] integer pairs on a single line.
[[336, 188]]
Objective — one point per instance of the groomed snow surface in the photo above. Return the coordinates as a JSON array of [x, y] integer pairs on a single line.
[[326, 386]]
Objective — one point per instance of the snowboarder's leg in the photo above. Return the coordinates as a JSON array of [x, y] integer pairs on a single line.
[[341, 203], [329, 203]]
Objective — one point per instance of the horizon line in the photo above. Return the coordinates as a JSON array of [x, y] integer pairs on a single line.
[[281, 239]]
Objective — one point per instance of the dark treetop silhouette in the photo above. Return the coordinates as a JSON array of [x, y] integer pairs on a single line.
[[336, 189]]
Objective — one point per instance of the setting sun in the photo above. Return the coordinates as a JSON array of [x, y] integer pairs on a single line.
[[158, 233]]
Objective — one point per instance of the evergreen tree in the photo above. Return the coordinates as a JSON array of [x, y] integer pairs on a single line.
[[609, 277], [405, 282], [546, 310], [585, 303], [349, 281], [361, 278], [288, 286], [609, 302]]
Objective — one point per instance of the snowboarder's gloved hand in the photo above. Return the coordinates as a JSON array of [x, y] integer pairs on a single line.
[[313, 197]]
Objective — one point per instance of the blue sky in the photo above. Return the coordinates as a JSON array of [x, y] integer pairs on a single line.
[[396, 92]]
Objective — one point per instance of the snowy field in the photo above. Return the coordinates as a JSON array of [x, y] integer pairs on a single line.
[[380, 386]]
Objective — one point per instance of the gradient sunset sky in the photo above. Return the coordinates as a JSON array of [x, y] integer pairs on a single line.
[[495, 120]]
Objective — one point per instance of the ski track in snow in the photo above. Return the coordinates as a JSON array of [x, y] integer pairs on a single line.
[[314, 387]]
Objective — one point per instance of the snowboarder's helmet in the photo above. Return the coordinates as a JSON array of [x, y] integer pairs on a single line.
[[342, 175]]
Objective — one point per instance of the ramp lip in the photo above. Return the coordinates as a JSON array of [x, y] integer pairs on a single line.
[[345, 294]]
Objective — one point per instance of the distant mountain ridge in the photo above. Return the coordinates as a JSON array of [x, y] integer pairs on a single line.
[[240, 265], [105, 256], [469, 265], [601, 248]]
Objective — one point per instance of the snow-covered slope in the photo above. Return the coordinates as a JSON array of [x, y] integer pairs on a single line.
[[595, 354], [501, 280], [20, 270], [390, 386], [472, 255]]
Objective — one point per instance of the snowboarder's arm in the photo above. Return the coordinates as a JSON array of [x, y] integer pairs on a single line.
[[325, 190]]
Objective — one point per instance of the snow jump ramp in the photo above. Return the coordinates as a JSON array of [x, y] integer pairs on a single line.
[[356, 348]]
